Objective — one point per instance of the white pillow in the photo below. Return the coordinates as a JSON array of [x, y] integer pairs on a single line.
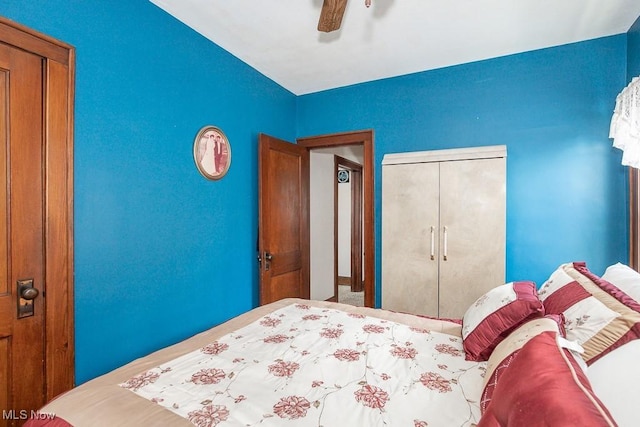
[[624, 278], [615, 380]]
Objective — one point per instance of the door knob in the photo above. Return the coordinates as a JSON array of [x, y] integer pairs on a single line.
[[28, 293], [268, 257]]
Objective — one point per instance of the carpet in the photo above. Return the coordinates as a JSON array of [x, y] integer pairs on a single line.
[[345, 296]]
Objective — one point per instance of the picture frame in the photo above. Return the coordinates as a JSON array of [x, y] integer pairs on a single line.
[[212, 152]]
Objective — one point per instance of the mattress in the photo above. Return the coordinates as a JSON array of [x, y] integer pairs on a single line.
[[292, 362]]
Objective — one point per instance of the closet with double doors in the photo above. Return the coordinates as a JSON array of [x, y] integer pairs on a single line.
[[443, 229]]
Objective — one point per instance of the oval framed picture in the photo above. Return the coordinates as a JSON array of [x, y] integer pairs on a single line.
[[212, 152]]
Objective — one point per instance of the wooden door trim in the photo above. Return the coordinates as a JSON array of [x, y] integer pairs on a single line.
[[59, 75], [18, 35], [366, 139]]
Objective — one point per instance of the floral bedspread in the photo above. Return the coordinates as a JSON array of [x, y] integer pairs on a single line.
[[308, 366]]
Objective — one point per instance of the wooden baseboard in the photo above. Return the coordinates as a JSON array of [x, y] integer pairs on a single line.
[[342, 280], [332, 299]]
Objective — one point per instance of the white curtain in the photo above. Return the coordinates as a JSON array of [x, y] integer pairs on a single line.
[[625, 124]]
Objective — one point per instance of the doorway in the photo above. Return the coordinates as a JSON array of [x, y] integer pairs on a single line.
[[349, 281], [336, 224], [361, 141]]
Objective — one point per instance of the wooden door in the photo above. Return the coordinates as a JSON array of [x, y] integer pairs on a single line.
[[473, 211], [36, 188], [21, 230], [409, 237], [283, 242]]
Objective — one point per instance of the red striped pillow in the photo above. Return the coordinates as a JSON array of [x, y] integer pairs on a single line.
[[597, 315], [494, 315], [505, 352], [543, 385]]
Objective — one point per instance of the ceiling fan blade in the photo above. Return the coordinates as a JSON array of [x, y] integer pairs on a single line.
[[331, 15]]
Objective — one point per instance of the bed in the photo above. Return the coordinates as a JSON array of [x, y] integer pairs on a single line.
[[516, 358]]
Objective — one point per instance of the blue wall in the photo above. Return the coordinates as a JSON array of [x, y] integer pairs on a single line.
[[160, 252], [552, 108]]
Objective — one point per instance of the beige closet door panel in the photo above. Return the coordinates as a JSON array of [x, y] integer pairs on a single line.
[[473, 210], [409, 210]]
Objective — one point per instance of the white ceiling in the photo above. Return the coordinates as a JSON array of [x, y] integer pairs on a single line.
[[393, 37]]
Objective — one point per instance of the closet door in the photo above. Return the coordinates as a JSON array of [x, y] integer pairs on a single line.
[[409, 214], [472, 227]]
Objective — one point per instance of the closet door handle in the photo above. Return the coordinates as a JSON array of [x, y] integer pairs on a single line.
[[433, 243], [444, 243]]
